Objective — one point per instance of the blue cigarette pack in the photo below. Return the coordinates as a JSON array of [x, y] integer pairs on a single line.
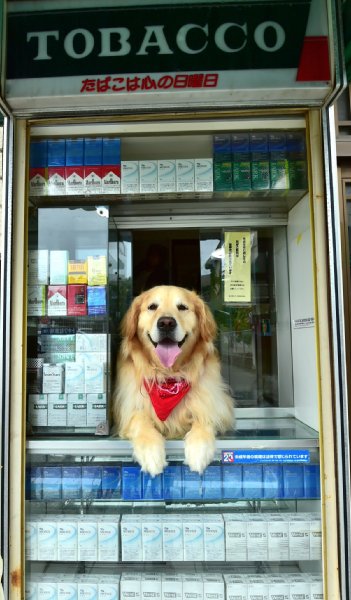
[[36, 483], [38, 154], [71, 483], [74, 152], [56, 153], [252, 481], [111, 482], [111, 151], [93, 151], [152, 487], [293, 477], [312, 483], [232, 482], [172, 482], [91, 482], [96, 299], [212, 483], [52, 482], [272, 481], [132, 483], [222, 147], [192, 484]]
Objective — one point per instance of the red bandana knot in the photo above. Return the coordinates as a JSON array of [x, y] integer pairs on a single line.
[[166, 395]]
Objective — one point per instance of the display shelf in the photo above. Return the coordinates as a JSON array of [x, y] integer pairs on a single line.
[[242, 200], [275, 433]]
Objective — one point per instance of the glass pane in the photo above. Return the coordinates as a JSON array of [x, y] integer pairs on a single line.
[[248, 333]]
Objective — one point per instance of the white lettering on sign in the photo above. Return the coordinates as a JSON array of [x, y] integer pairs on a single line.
[[155, 37]]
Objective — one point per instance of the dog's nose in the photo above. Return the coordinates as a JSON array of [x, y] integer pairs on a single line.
[[166, 323]]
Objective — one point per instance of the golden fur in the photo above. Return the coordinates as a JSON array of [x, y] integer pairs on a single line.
[[206, 410]]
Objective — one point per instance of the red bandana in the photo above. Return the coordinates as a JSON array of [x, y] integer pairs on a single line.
[[166, 395]]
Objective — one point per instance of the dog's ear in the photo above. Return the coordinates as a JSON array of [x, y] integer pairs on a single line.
[[207, 324], [129, 323]]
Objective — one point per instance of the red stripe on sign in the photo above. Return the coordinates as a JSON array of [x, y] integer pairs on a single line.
[[314, 61]]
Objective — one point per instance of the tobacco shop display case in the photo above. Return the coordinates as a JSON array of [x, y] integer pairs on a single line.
[[215, 207]]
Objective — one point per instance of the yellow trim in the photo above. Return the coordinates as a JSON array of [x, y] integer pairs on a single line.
[[323, 355]]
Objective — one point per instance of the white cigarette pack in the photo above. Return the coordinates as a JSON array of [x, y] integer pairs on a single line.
[[236, 587], [151, 586], [94, 377], [38, 410], [67, 540], [108, 587], [172, 586], [203, 175], [214, 544], [257, 588], [185, 175], [31, 538], [74, 378], [173, 549], [278, 538], [315, 537], [299, 588], [47, 540], [193, 587], [151, 533], [47, 590], [167, 180], [58, 267], [148, 176], [131, 540], [193, 536], [130, 586], [96, 409], [57, 410], [67, 590], [235, 537], [130, 177], [299, 537], [52, 378], [257, 543], [91, 342], [38, 267], [88, 588], [278, 588], [87, 540], [213, 586], [76, 410], [108, 538], [36, 300]]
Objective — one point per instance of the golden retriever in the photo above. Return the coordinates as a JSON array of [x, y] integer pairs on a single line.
[[168, 379]]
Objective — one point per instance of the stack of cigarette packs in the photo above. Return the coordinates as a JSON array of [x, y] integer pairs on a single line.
[[58, 286], [259, 160], [175, 585], [167, 176], [71, 381], [74, 167]]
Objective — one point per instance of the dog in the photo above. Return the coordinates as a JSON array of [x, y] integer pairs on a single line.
[[169, 383]]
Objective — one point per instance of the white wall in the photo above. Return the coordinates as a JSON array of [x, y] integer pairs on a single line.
[[302, 306]]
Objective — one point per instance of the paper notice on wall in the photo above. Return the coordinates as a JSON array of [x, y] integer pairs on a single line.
[[237, 266]]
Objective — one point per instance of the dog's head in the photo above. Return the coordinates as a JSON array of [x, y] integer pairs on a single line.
[[168, 321]]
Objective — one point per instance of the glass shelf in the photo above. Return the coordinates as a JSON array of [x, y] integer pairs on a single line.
[[275, 433]]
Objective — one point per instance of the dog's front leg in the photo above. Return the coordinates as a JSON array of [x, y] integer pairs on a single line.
[[148, 443], [200, 446]]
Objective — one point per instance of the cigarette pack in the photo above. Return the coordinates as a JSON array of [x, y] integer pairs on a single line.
[[52, 483], [91, 342], [151, 586], [96, 299], [31, 539], [38, 160], [57, 300], [167, 176], [232, 481], [257, 539], [78, 271], [95, 380], [259, 161], [74, 171], [222, 173], [214, 543], [56, 167], [97, 270], [193, 587], [173, 482], [76, 300], [38, 267], [76, 410], [151, 534], [131, 540], [74, 378], [87, 539], [108, 538], [222, 147], [130, 177], [47, 540], [131, 483], [111, 166], [252, 481], [92, 165], [241, 161], [278, 160], [38, 410], [58, 267], [57, 410], [193, 536], [203, 174], [213, 586], [67, 539], [71, 482], [36, 483], [91, 482], [148, 176], [185, 175], [52, 378], [192, 484], [293, 481], [172, 535], [212, 483], [152, 487], [111, 482], [235, 537]]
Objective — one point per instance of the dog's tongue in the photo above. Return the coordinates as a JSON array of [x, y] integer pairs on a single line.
[[167, 353]]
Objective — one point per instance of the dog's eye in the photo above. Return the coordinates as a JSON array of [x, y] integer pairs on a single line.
[[182, 307], [152, 306]]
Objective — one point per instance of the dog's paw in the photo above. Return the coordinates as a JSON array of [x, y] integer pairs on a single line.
[[151, 457], [199, 452]]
